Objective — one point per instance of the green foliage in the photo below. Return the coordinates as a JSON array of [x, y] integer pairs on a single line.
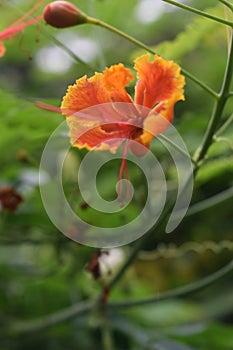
[[46, 278], [196, 32]]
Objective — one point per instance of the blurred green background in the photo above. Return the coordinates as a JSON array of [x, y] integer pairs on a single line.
[[42, 271]]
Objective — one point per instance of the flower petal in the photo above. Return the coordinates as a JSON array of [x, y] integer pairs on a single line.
[[94, 119], [153, 125], [98, 89], [93, 136], [117, 77], [159, 80]]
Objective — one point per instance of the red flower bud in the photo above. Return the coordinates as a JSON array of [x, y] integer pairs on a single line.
[[9, 198], [63, 14]]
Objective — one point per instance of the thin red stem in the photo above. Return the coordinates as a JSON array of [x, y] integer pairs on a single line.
[[127, 185], [48, 107], [17, 28], [122, 169], [28, 13], [19, 25]]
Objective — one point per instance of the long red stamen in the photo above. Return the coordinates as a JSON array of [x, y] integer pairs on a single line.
[[48, 107], [123, 168], [128, 193], [28, 13], [19, 25], [14, 29], [55, 109]]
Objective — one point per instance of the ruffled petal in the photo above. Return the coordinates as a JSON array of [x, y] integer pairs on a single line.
[[98, 89], [159, 80], [85, 93], [117, 77], [94, 120]]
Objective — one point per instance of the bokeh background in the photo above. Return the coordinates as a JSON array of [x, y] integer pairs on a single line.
[[43, 272]]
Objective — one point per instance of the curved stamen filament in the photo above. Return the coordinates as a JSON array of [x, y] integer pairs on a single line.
[[124, 169]]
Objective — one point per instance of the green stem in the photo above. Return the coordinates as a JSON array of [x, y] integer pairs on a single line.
[[224, 126], [95, 21], [219, 105], [200, 83], [50, 320], [210, 202], [199, 12], [217, 110], [178, 292], [107, 336], [138, 246], [227, 3], [84, 307], [173, 144], [67, 50]]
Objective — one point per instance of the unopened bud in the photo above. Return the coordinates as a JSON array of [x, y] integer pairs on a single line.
[[63, 14]]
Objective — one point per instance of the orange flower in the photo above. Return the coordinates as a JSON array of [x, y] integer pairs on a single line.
[[114, 116], [101, 114]]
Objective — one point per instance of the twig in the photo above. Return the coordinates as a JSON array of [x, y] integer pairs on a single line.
[[217, 110], [199, 12], [178, 292]]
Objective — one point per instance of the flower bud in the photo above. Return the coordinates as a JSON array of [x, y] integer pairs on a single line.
[[63, 14]]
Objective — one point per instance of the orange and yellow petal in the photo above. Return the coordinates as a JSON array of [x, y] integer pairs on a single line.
[[117, 77], [92, 136], [85, 93], [166, 109], [154, 125], [159, 80], [100, 88]]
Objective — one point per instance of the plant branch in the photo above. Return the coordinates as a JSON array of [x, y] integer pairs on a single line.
[[200, 83], [178, 292], [138, 246], [219, 105], [224, 126], [210, 202], [217, 110], [138, 43], [199, 12], [227, 3], [50, 320], [85, 306]]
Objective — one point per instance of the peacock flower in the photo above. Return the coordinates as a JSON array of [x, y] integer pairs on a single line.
[[158, 88], [101, 114]]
